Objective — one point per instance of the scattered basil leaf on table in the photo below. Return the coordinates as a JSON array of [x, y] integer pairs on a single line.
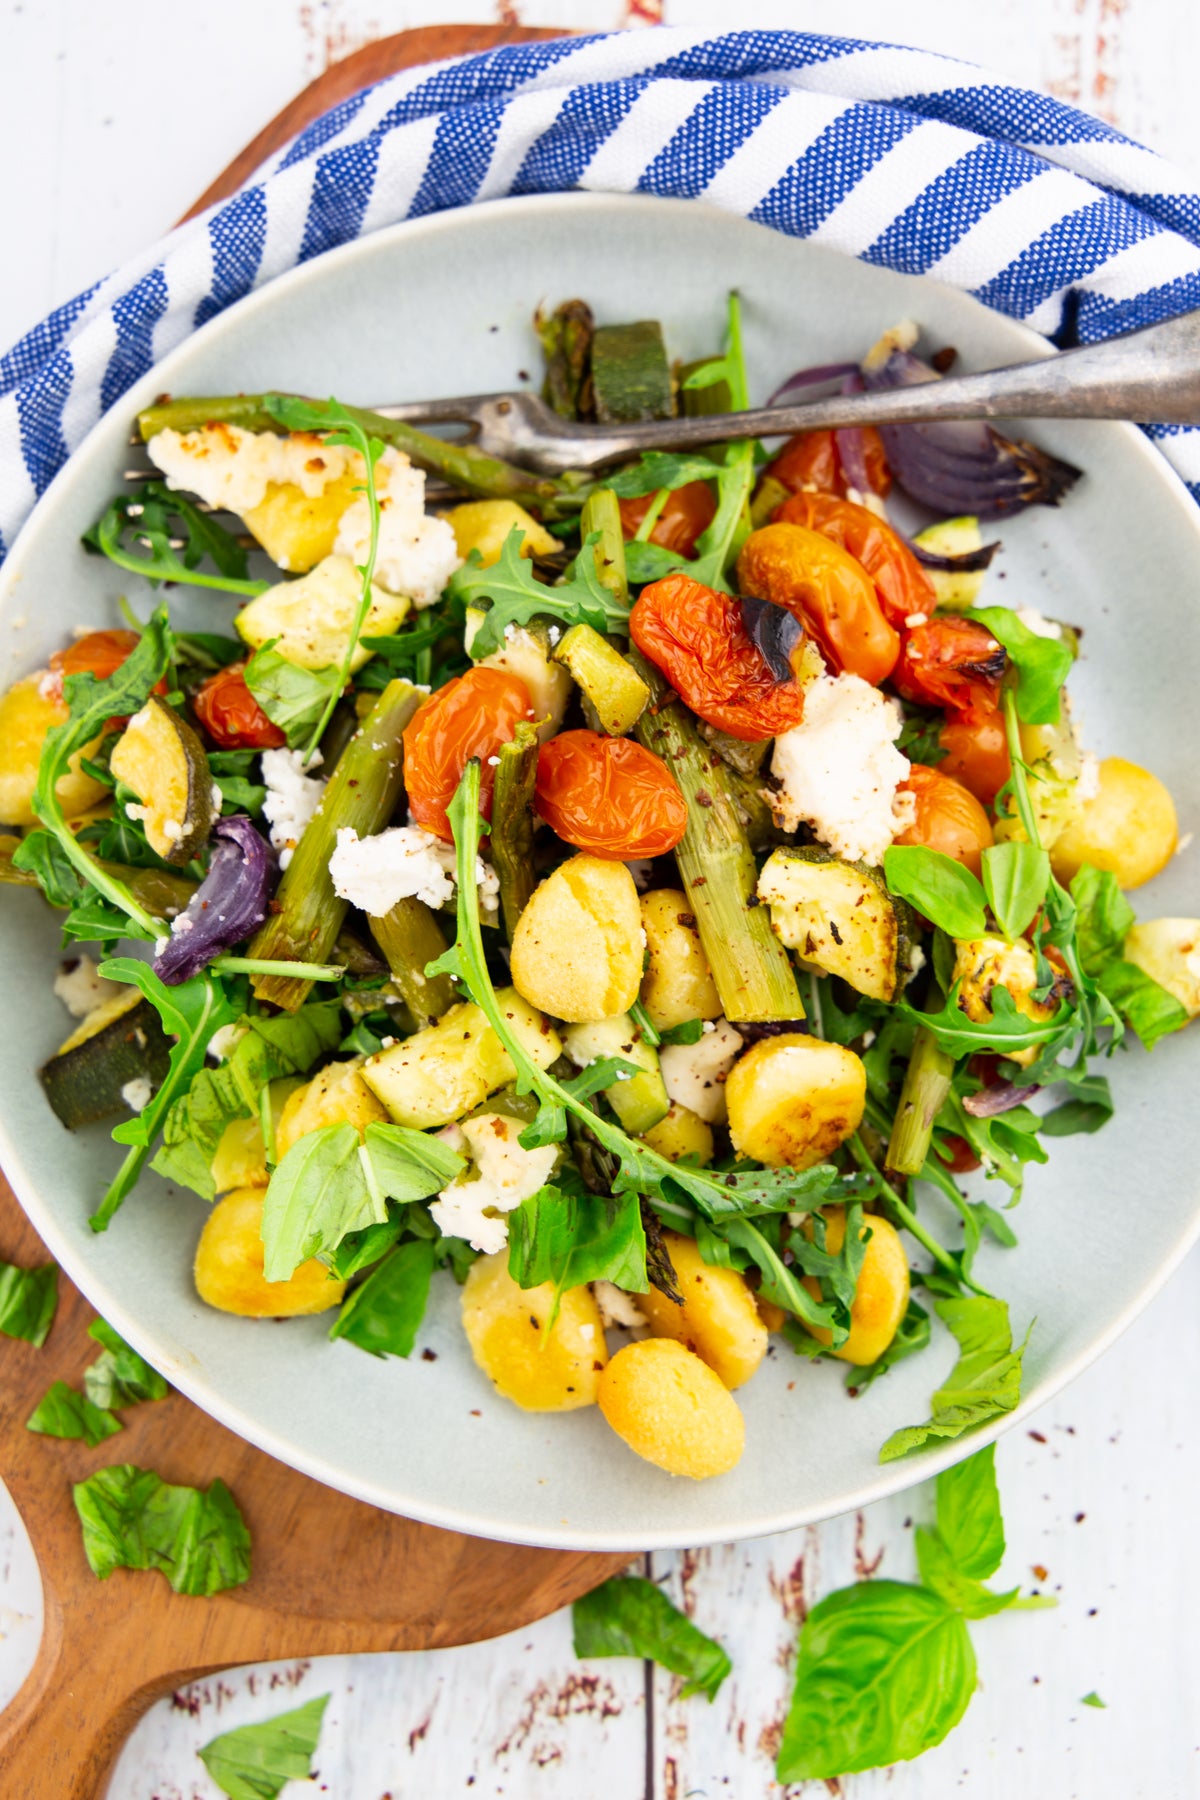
[[941, 1575], [629, 1616], [1042, 664], [133, 1519], [939, 887], [985, 1381], [119, 1377], [383, 1314], [1093, 1699], [63, 1413], [256, 1762], [28, 1301]]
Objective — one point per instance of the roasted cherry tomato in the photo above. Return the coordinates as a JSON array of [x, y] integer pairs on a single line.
[[961, 1160], [98, 653], [471, 716], [951, 662], [609, 795], [826, 587], [232, 716], [948, 818], [688, 511], [976, 747], [699, 640], [900, 582], [810, 461]]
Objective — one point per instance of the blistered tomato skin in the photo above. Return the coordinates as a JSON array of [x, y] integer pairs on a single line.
[[948, 818], [976, 747], [699, 640], [688, 512], [609, 796], [952, 662], [902, 586], [232, 716], [810, 461], [98, 653], [471, 716], [829, 590]]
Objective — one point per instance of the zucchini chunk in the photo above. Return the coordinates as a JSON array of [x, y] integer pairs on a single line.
[[614, 688], [443, 1072], [955, 589], [1168, 950], [160, 757], [838, 916], [309, 620], [116, 1044], [631, 377], [640, 1101]]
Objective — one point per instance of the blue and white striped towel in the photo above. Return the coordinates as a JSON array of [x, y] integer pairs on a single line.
[[901, 157]]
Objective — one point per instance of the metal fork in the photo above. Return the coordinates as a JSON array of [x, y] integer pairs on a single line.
[[1152, 374]]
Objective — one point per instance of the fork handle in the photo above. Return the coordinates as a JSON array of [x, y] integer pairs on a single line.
[[1153, 374]]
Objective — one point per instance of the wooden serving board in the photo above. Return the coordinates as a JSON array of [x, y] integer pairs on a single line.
[[330, 1574]]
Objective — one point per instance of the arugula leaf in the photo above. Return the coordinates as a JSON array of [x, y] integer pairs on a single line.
[[151, 518], [690, 1032], [629, 1616], [269, 1048], [384, 1314], [42, 854], [91, 704], [208, 651], [1150, 1010], [717, 546], [1003, 1143], [655, 469], [516, 595], [921, 736], [329, 1185], [63, 1413], [938, 886], [912, 1334], [239, 795], [1103, 920], [190, 1011], [132, 1519], [566, 1235], [646, 562], [1089, 1107], [1007, 1029], [28, 1302], [837, 1273], [985, 1381], [885, 1670], [256, 1762], [119, 1376], [292, 698], [1015, 878], [1042, 664]]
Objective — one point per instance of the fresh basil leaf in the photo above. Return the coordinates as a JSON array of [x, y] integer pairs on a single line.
[[1042, 664], [383, 1314], [1015, 878], [1151, 1011], [885, 1671], [567, 1236], [239, 795], [941, 1573], [516, 595], [985, 1381], [316, 1195], [1089, 1107], [132, 1519], [646, 562], [938, 886], [208, 651], [28, 1302], [63, 1413], [119, 1376], [912, 1334], [690, 1032], [256, 1762], [410, 1165], [657, 469], [190, 1011], [968, 1514], [360, 1250], [1103, 917], [921, 736], [628, 1616], [292, 698]]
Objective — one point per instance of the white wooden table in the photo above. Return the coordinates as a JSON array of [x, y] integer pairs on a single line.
[[113, 117]]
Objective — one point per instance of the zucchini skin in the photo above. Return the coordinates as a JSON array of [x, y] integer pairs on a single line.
[[631, 377], [83, 1083], [824, 920]]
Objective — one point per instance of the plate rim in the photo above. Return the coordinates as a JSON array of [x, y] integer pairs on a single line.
[[891, 1478]]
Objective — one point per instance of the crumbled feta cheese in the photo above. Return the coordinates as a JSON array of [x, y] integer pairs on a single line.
[[618, 1309], [171, 828], [417, 552], [134, 811], [1087, 784], [81, 989], [224, 1041], [915, 619], [137, 1093], [694, 1074], [839, 769], [232, 468], [1038, 623], [1184, 842], [473, 1206], [292, 798], [375, 872], [916, 962]]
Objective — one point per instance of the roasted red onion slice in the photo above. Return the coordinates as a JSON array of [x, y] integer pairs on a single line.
[[963, 466], [851, 447], [229, 904], [1001, 1097], [810, 378]]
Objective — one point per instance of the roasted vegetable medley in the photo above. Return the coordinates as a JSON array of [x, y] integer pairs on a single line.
[[640, 899]]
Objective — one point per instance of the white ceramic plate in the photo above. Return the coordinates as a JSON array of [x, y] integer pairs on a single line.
[[442, 306]]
